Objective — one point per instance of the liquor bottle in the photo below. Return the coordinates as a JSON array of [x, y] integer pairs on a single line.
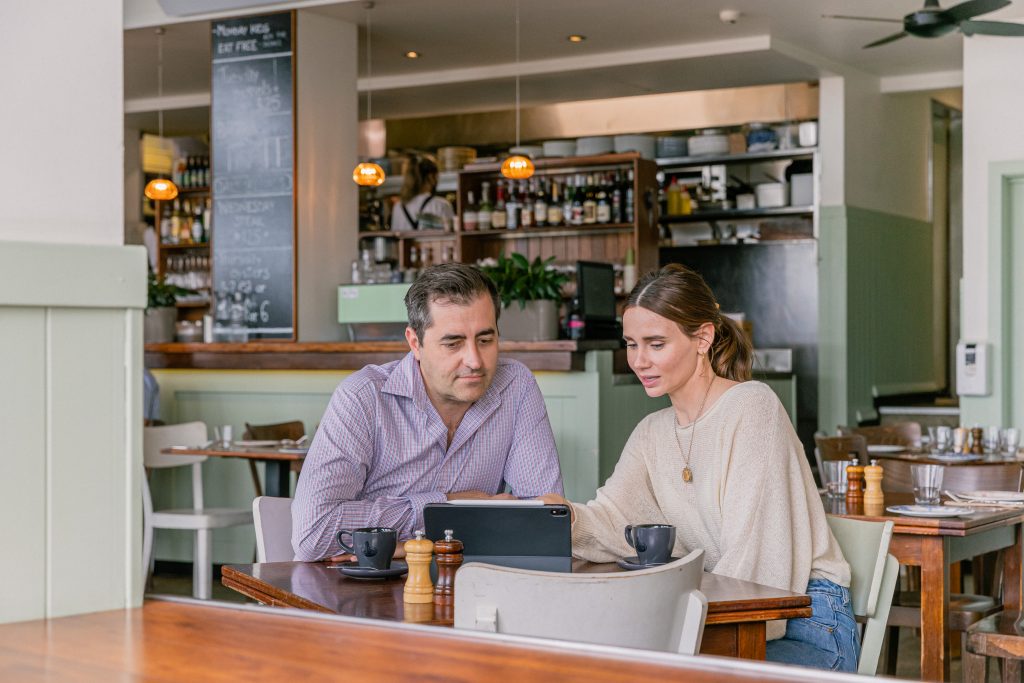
[[540, 206], [165, 222], [207, 225], [470, 213], [627, 209], [603, 211], [190, 171], [198, 228], [589, 203], [567, 201], [206, 172], [512, 209], [526, 200], [413, 270], [577, 202], [554, 206], [499, 215], [175, 221], [617, 198], [485, 211]]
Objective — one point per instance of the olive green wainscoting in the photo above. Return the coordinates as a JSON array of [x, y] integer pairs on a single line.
[[877, 322], [592, 414]]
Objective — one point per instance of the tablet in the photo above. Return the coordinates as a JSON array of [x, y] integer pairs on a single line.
[[498, 502], [509, 534]]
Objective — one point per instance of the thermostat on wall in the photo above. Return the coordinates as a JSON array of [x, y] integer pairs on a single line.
[[972, 368]]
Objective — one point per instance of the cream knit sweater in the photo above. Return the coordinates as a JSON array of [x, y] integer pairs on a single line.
[[752, 505]]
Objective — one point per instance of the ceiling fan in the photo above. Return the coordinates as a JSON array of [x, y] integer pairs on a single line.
[[932, 21]]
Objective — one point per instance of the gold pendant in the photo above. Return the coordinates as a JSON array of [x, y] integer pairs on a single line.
[[687, 474]]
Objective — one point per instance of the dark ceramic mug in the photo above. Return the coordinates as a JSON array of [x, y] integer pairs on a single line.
[[372, 546], [653, 542]]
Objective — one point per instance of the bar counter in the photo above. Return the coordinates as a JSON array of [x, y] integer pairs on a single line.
[[551, 356]]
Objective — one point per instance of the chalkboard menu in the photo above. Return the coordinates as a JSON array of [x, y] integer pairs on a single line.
[[252, 139]]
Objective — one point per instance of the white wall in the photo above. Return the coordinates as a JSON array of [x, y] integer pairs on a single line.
[[61, 179]]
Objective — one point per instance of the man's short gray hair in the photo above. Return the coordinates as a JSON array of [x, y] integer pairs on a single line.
[[456, 283]]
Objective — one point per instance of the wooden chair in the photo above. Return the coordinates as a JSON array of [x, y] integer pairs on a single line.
[[198, 518], [272, 518], [655, 609], [293, 430], [1001, 636], [897, 434], [874, 572], [838, 448]]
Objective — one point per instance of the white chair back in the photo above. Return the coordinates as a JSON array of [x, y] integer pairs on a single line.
[[156, 439], [273, 520], [656, 609], [873, 574]]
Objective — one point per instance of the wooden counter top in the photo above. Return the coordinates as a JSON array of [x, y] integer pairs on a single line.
[[561, 355]]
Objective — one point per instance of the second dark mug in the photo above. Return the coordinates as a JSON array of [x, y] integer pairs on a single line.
[[653, 542], [373, 546]]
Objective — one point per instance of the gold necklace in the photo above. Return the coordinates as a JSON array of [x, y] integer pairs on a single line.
[[687, 472]]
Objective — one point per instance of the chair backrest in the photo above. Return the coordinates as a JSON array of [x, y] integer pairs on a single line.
[[1003, 476], [873, 573], [655, 609], [895, 434], [293, 430], [273, 520], [155, 439], [840, 447]]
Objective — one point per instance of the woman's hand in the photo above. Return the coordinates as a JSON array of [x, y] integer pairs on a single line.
[[555, 499]]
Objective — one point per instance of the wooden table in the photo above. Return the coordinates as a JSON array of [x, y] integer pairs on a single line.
[[278, 462], [737, 610], [184, 640], [935, 543]]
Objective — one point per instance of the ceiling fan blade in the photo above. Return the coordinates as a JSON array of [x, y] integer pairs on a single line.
[[846, 16], [887, 39], [974, 8], [991, 28]]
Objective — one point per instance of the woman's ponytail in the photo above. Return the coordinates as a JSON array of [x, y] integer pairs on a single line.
[[731, 354]]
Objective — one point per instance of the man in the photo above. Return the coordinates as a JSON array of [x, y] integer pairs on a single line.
[[448, 421]]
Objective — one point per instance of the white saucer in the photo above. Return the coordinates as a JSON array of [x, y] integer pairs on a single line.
[[929, 510], [885, 448], [632, 563]]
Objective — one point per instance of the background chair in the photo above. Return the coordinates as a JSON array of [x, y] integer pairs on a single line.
[[293, 430], [654, 609], [896, 434], [839, 448], [273, 520], [874, 573], [197, 518]]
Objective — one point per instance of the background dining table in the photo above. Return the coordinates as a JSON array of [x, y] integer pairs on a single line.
[[737, 610], [278, 461], [935, 543]]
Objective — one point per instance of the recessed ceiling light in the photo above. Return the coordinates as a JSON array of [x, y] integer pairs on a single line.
[[576, 38], [412, 54]]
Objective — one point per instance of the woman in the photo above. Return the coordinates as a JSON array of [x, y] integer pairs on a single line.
[[724, 466], [418, 207]]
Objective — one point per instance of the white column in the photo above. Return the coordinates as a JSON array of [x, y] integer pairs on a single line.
[[327, 134]]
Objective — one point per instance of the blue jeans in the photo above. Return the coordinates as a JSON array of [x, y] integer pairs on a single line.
[[828, 639]]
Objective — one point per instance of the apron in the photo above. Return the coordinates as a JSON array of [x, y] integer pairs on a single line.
[[416, 223]]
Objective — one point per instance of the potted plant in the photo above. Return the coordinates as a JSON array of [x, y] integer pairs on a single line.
[[530, 295], [161, 314]]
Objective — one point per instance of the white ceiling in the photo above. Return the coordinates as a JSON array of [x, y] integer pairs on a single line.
[[456, 35]]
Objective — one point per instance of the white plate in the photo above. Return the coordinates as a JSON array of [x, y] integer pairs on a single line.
[[885, 448], [953, 457], [929, 510], [994, 496], [255, 443]]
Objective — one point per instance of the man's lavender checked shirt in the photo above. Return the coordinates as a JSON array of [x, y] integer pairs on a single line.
[[381, 453]]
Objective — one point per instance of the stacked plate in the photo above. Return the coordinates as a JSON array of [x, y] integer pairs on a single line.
[[635, 143], [454, 158], [560, 148], [671, 146], [532, 151], [592, 146]]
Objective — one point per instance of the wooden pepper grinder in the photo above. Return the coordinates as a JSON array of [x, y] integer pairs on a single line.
[[418, 553], [873, 484], [854, 482], [449, 559], [977, 446]]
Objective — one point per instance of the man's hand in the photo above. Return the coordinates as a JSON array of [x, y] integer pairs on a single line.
[[346, 557], [479, 495], [555, 499]]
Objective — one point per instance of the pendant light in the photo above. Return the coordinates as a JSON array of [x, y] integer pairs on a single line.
[[517, 166], [367, 173], [160, 189]]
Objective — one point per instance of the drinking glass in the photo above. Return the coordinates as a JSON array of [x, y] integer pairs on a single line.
[[224, 435], [927, 483], [943, 438], [990, 439], [1009, 440], [833, 477]]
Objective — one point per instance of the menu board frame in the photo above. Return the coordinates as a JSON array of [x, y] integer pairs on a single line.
[[255, 329]]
